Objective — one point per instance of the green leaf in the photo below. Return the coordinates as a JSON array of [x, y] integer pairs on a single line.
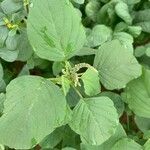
[[24, 47], [12, 42], [52, 139], [125, 39], [139, 51], [8, 55], [85, 51], [95, 119], [142, 123], [142, 18], [91, 82], [126, 144], [70, 138], [129, 2], [116, 65], [79, 1], [92, 9], [10, 6], [2, 147], [3, 35], [40, 107], [147, 145], [72, 97], [57, 67], [120, 133], [99, 35], [24, 71], [137, 95], [134, 30], [118, 102], [58, 29], [123, 12]]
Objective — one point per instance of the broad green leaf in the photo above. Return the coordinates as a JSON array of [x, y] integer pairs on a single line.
[[99, 35], [70, 138], [8, 55], [95, 120], [137, 95], [126, 144], [135, 31], [12, 42], [52, 139], [91, 82], [58, 29], [116, 65], [139, 51], [92, 9], [24, 47], [72, 97], [57, 67], [10, 6], [125, 39], [142, 18], [142, 123], [40, 107], [118, 102], [120, 133], [123, 12]]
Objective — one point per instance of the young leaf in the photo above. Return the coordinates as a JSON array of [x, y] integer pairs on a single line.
[[123, 12], [142, 18], [91, 82], [34, 107], [57, 27], [116, 65], [99, 35], [95, 119], [125, 39]]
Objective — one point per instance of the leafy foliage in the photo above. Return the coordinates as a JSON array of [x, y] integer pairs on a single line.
[[75, 74]]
